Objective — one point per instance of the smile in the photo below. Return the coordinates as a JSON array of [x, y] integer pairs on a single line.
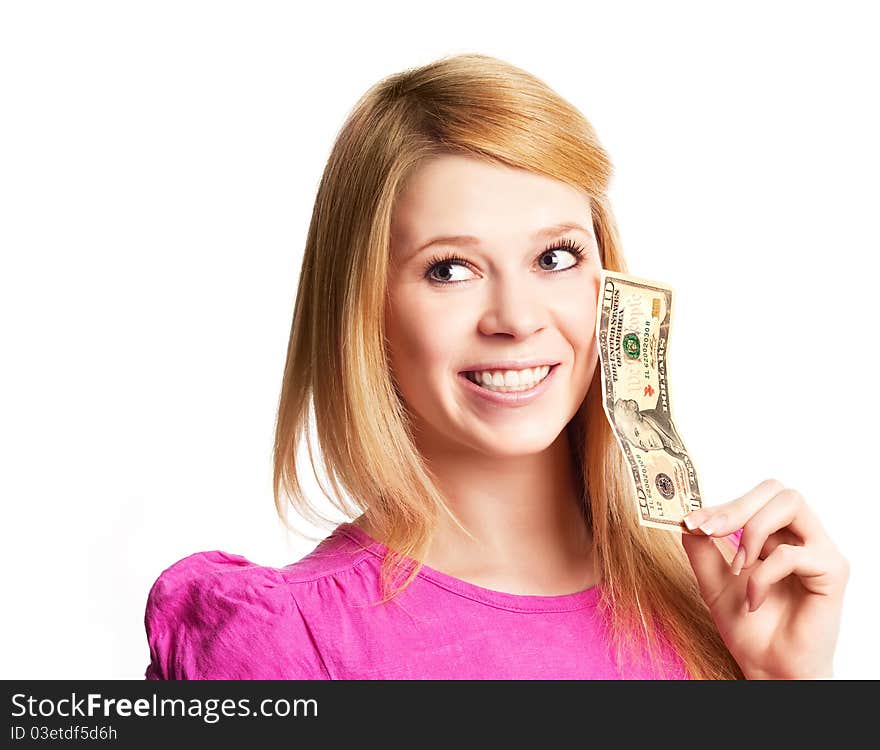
[[520, 380], [509, 395]]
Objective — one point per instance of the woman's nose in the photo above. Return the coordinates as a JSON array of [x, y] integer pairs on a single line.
[[514, 308]]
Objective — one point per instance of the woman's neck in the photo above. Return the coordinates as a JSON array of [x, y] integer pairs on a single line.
[[531, 537]]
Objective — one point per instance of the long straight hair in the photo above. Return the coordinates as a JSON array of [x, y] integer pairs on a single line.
[[337, 373]]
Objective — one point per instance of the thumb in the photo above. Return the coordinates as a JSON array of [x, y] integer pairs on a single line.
[[710, 567]]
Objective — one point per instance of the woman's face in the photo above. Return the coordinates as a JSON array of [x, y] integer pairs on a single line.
[[511, 298]]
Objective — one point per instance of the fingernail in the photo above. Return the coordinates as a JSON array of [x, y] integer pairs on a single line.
[[689, 521], [738, 561], [716, 522]]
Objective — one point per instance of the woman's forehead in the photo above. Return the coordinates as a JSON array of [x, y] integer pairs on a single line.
[[459, 195]]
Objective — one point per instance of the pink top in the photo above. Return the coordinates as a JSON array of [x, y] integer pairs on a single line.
[[215, 615]]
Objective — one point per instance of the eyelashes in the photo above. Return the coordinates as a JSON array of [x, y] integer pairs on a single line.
[[440, 260]]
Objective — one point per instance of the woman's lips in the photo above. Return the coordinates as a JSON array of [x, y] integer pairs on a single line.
[[515, 398]]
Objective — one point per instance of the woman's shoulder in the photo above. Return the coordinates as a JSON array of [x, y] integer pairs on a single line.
[[218, 615]]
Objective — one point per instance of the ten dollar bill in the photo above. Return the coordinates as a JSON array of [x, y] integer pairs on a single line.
[[633, 322]]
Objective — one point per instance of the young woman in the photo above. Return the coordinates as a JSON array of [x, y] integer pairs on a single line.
[[452, 261]]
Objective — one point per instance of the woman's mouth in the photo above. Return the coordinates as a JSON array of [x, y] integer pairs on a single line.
[[510, 395], [496, 381]]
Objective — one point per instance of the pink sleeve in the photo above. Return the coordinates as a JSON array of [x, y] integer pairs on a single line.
[[214, 615]]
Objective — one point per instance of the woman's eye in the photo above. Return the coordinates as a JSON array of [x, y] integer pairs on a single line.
[[438, 269], [442, 267], [554, 262]]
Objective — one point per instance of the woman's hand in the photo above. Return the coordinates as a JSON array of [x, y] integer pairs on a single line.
[[780, 616]]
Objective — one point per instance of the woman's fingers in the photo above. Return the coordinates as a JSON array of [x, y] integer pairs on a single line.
[[710, 568], [782, 562], [786, 510], [721, 520], [781, 536], [775, 506]]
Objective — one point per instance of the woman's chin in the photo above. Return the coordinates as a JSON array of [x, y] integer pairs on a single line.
[[521, 445]]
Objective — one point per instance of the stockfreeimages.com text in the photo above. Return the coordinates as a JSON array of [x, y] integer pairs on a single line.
[[209, 709]]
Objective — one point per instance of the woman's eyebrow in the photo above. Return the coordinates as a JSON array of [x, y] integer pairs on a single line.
[[470, 240]]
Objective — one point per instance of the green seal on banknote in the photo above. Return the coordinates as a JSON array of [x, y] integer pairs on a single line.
[[631, 346]]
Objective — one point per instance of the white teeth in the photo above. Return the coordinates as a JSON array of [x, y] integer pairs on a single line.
[[510, 380]]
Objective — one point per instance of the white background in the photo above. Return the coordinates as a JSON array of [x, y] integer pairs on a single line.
[[158, 165]]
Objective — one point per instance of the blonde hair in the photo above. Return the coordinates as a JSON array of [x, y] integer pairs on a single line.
[[338, 367]]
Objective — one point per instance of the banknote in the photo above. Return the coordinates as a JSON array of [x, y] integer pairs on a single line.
[[633, 323]]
